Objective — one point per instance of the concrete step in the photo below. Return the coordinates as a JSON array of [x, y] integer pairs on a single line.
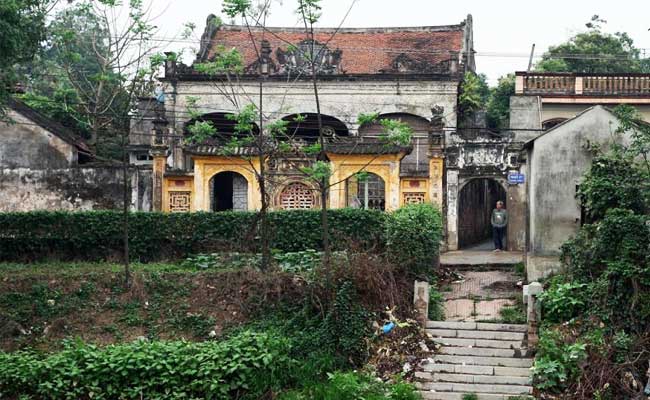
[[475, 388], [479, 351], [492, 344], [428, 395], [471, 326], [488, 361], [476, 369], [476, 334], [470, 378]]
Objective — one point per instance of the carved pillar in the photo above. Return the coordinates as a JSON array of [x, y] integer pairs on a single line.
[[159, 154]]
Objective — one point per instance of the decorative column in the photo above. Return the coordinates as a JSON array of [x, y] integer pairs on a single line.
[[159, 153]]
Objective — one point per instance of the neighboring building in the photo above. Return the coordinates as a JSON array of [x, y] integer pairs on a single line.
[[552, 98], [557, 161], [45, 166], [556, 114], [31, 140], [411, 74]]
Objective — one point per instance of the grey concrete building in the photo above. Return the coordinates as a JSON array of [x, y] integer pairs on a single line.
[[557, 161]]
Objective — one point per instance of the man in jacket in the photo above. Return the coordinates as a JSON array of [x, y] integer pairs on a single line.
[[499, 223]]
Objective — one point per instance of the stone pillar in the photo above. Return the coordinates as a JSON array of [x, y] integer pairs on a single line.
[[452, 207], [534, 311], [159, 154], [421, 302]]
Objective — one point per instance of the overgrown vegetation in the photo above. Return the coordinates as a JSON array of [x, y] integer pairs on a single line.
[[295, 330], [597, 313]]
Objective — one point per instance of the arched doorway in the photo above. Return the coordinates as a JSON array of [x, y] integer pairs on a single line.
[[477, 199], [296, 196], [367, 191], [228, 192]]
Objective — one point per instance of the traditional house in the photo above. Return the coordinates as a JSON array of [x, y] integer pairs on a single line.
[[408, 74]]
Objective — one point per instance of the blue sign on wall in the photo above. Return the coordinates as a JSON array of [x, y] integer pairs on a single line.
[[515, 178]]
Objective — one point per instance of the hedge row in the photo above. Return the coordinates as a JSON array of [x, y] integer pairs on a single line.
[[97, 235], [245, 366]]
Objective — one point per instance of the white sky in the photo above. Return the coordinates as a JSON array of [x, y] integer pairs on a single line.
[[504, 30]]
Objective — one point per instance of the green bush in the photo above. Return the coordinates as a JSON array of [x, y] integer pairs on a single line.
[[413, 235], [557, 362], [563, 301], [244, 366], [354, 386], [97, 235]]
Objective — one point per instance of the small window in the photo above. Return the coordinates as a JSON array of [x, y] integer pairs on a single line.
[[143, 157]]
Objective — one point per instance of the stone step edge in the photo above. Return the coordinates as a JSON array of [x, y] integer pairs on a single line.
[[481, 396], [424, 376], [477, 326], [482, 344]]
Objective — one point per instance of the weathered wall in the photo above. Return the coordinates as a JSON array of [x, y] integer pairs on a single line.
[[25, 144], [558, 160], [77, 188], [342, 99]]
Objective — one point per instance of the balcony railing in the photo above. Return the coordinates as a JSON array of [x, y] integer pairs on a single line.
[[633, 85]]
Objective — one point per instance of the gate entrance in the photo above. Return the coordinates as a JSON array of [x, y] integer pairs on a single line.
[[477, 199]]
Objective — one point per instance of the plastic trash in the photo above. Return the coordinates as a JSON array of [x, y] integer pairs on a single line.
[[388, 327]]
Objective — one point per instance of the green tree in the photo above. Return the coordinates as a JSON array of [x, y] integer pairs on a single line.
[[595, 51], [474, 94], [21, 30], [498, 105]]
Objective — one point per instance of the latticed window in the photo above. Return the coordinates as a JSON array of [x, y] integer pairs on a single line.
[[414, 198], [179, 201], [369, 192], [297, 196]]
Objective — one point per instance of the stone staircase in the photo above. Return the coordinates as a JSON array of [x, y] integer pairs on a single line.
[[486, 359]]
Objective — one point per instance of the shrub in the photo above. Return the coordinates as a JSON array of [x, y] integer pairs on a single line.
[[97, 235], [244, 366], [413, 235], [354, 386], [436, 304], [563, 301], [557, 362]]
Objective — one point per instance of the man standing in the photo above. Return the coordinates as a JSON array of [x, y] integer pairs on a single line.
[[499, 222]]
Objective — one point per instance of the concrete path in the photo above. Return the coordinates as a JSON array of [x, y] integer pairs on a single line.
[[480, 295], [477, 258]]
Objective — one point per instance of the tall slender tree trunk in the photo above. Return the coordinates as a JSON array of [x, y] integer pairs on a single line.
[[264, 215], [125, 213], [324, 183]]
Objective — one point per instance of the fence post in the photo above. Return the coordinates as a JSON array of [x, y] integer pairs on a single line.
[[421, 302], [533, 314]]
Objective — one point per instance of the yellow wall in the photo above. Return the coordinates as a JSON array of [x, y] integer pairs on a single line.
[[397, 190], [207, 167], [385, 166]]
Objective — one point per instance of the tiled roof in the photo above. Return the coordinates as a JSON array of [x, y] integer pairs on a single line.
[[350, 50]]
